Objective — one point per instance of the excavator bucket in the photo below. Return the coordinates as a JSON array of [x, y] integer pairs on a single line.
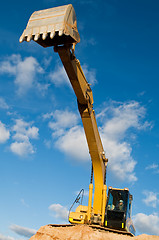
[[52, 27]]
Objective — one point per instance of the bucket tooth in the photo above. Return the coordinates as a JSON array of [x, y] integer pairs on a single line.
[[52, 34], [52, 27], [60, 33], [44, 36], [29, 37], [21, 39], [36, 37]]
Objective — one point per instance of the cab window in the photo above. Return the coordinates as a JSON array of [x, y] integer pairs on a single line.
[[116, 201]]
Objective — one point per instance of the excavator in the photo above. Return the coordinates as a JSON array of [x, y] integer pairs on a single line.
[[57, 27]]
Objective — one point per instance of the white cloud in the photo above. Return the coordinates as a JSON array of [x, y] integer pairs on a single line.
[[118, 122], [8, 65], [47, 61], [151, 198], [25, 129], [42, 88], [25, 71], [62, 120], [121, 163], [2, 237], [152, 166], [86, 42], [73, 143], [48, 143], [23, 132], [148, 224], [23, 231], [4, 133], [32, 132], [120, 119], [59, 76], [47, 115], [3, 104], [68, 135], [22, 148], [59, 211], [125, 116], [90, 74]]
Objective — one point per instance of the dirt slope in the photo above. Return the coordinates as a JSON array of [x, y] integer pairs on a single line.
[[81, 232]]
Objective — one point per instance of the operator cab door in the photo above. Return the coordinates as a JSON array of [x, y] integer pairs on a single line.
[[118, 210]]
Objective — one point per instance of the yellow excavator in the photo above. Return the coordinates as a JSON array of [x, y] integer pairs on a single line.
[[57, 27]]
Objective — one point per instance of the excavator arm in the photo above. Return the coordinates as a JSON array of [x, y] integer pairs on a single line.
[[85, 105]]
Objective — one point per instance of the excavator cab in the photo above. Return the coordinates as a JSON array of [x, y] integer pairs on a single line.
[[118, 210]]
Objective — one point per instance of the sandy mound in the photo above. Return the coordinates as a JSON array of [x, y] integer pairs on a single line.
[[82, 232]]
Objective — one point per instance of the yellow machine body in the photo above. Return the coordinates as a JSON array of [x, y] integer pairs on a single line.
[[58, 27]]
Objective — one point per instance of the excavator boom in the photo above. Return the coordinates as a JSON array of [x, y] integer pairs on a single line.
[[85, 105]]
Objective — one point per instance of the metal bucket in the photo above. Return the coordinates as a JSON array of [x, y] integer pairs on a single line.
[[52, 27]]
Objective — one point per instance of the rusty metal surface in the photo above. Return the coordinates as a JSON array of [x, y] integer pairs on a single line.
[[52, 27]]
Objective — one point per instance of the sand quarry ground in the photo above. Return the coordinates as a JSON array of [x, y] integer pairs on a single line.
[[83, 233]]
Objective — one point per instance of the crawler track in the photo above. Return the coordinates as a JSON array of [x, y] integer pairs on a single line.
[[97, 227]]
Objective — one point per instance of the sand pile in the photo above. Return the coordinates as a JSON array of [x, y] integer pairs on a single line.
[[82, 232]]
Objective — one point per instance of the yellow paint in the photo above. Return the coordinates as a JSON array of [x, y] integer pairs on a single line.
[[85, 105], [90, 201], [104, 202]]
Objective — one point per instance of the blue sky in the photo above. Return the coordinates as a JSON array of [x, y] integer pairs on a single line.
[[44, 159]]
